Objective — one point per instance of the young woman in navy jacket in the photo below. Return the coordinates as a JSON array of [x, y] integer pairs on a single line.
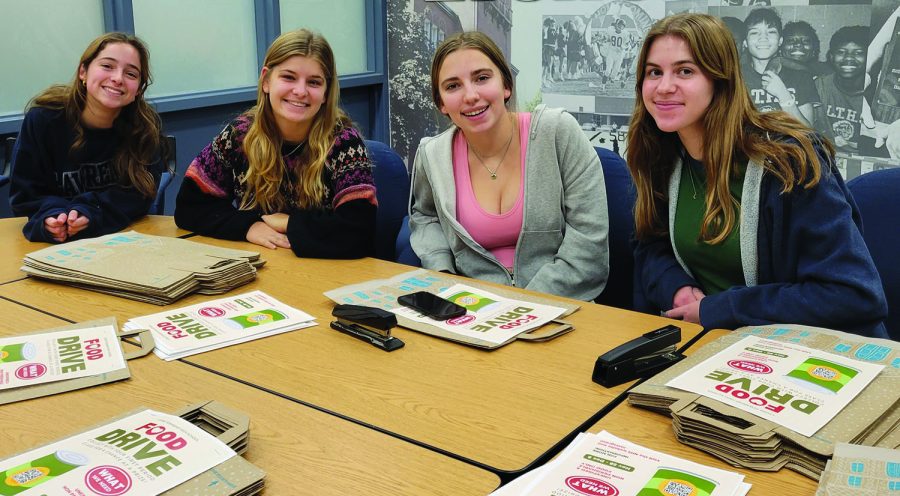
[[87, 160], [741, 217]]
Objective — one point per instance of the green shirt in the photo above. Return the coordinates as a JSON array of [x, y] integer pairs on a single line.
[[715, 267]]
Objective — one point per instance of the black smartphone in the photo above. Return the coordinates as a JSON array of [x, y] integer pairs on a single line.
[[431, 305]]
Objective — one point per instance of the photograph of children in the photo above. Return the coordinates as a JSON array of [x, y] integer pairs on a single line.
[[841, 91], [880, 131], [782, 56], [772, 84]]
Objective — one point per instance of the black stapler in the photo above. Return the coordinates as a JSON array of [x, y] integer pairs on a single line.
[[369, 324], [641, 357]]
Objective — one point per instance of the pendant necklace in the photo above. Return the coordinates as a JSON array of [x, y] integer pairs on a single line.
[[691, 177], [493, 173], [288, 172], [299, 145]]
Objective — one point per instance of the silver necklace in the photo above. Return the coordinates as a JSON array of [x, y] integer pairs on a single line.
[[493, 173], [288, 172], [691, 176], [288, 154]]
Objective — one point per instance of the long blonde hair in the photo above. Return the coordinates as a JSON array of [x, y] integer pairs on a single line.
[[137, 125], [734, 131], [262, 145]]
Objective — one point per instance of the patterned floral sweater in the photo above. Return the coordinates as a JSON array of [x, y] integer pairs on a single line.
[[344, 227]]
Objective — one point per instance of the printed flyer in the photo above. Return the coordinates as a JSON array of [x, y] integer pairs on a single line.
[[798, 387], [145, 453], [490, 317], [602, 464], [218, 323], [55, 356]]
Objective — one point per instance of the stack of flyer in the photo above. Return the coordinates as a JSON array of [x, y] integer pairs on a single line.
[[153, 269], [146, 452], [218, 323], [781, 396], [861, 470], [596, 464]]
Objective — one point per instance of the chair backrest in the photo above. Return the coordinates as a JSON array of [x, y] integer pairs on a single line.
[[168, 151], [392, 185], [403, 252], [879, 205], [6, 160], [620, 197]]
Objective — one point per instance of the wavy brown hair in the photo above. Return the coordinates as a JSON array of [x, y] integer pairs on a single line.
[[262, 145], [734, 131], [137, 125]]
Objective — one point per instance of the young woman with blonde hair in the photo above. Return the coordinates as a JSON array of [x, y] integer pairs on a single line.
[[741, 217], [87, 160], [513, 198], [291, 172]]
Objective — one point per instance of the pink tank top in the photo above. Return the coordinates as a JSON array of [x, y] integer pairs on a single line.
[[497, 233]]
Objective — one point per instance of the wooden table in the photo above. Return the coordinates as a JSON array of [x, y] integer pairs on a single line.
[[502, 409], [15, 246], [158, 225], [303, 451]]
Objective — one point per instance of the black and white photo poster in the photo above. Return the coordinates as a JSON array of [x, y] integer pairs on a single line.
[[833, 64]]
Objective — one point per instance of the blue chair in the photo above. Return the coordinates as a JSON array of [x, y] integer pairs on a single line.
[[876, 195], [403, 248], [620, 198], [6, 160], [392, 185], [159, 203]]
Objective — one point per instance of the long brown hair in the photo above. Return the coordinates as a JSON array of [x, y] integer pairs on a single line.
[[262, 145], [137, 125], [734, 131]]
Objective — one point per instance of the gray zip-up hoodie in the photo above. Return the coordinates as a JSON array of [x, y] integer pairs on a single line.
[[563, 246]]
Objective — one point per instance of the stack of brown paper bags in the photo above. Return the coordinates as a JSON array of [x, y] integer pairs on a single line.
[[746, 440], [236, 476], [152, 269]]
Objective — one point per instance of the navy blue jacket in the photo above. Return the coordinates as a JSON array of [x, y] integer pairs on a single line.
[[47, 180], [813, 266]]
